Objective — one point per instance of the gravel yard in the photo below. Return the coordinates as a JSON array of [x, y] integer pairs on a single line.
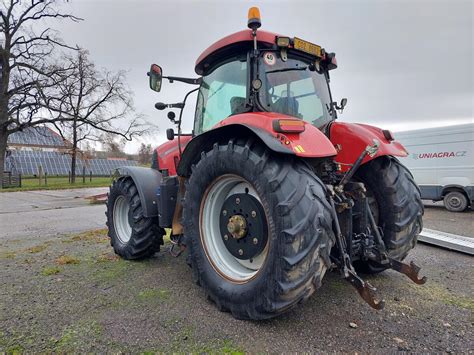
[[67, 292]]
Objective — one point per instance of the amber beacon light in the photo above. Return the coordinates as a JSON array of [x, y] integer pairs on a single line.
[[254, 20]]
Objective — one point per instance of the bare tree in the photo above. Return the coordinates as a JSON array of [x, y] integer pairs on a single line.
[[94, 101], [113, 145], [28, 73], [144, 153]]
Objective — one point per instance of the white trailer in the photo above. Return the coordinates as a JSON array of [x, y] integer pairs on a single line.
[[442, 162]]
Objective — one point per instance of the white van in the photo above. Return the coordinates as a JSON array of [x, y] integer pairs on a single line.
[[442, 162]]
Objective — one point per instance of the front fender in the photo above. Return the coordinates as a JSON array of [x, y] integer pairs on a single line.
[[311, 143], [146, 181], [350, 139]]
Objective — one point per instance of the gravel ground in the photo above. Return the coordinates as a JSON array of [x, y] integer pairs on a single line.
[[32, 215], [438, 218], [68, 293]]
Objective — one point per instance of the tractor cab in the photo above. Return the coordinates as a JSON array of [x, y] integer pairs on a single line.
[[274, 79], [261, 71]]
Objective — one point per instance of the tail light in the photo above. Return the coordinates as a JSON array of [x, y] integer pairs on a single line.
[[288, 126]]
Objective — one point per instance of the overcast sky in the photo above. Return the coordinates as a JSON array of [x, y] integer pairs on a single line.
[[402, 64]]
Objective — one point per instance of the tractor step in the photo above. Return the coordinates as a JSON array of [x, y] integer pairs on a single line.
[[177, 246]]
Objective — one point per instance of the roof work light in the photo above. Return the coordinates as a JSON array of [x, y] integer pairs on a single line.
[[283, 41]]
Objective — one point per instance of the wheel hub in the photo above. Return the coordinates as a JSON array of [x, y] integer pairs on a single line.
[[237, 226], [243, 226], [455, 202]]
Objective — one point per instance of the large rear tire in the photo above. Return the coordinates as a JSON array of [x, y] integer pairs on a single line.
[[288, 202], [395, 201], [132, 235]]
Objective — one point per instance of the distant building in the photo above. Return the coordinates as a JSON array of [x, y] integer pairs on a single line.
[[38, 138], [37, 148]]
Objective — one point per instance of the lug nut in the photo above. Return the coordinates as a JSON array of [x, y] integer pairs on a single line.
[[224, 212], [241, 252], [254, 214], [255, 241], [237, 200], [226, 237]]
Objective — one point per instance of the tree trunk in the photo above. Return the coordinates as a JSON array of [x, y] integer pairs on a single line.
[[74, 152], [3, 150]]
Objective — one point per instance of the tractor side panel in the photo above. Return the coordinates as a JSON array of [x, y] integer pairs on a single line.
[[168, 154], [350, 139], [311, 143]]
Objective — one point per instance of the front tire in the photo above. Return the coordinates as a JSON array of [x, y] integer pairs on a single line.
[[395, 200], [132, 235], [288, 201]]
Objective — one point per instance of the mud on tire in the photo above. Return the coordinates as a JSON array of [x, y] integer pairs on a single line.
[[399, 209], [132, 235], [300, 237]]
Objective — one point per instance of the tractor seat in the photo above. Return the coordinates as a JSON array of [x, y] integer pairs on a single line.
[[238, 105], [287, 105]]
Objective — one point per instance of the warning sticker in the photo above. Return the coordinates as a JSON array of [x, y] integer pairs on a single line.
[[269, 58]]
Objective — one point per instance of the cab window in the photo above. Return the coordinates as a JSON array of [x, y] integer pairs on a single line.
[[293, 88], [222, 94]]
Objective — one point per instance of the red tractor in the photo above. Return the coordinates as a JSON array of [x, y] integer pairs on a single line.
[[269, 191]]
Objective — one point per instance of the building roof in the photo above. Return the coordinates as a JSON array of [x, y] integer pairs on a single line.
[[37, 136]]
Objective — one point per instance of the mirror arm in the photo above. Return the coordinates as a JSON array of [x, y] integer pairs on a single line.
[[196, 81], [179, 120]]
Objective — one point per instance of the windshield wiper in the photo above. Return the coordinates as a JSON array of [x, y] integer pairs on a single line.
[[285, 69]]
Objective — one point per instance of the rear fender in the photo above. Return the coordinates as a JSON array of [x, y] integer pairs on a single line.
[[147, 181], [350, 139], [311, 143]]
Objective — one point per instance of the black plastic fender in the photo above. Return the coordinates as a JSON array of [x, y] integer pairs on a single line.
[[147, 181], [205, 140]]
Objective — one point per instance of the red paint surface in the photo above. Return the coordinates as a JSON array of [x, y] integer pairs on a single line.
[[241, 36], [314, 143], [353, 138], [168, 152]]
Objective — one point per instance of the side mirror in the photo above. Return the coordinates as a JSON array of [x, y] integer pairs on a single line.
[[341, 106], [343, 103], [156, 76], [170, 134]]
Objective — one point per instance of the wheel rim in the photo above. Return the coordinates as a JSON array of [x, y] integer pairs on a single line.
[[454, 201], [123, 230], [238, 270]]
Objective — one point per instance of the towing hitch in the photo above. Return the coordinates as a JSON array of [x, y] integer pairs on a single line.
[[409, 270], [365, 290], [375, 249]]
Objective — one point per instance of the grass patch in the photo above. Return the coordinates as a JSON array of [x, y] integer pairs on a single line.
[[36, 249], [185, 341], [112, 271], [11, 345], [7, 255], [94, 236], [153, 293], [50, 270], [67, 260], [107, 257], [73, 336], [435, 292], [58, 183]]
